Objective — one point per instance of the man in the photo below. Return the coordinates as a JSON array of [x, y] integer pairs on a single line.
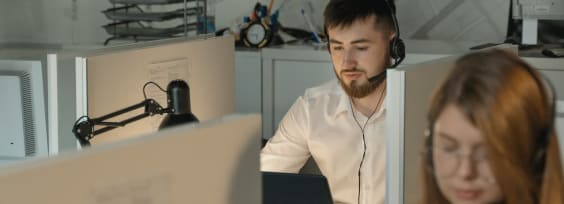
[[341, 123]]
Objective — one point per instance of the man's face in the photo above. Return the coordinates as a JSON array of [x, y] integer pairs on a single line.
[[359, 51]]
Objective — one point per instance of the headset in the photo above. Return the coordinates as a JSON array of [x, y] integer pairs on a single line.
[[541, 143], [397, 46]]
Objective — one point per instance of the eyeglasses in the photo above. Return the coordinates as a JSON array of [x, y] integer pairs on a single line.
[[448, 159]]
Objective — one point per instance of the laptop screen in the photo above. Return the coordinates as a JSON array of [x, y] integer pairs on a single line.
[[282, 188]]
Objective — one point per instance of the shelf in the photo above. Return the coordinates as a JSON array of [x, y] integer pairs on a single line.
[[130, 21], [148, 2], [135, 29], [134, 13]]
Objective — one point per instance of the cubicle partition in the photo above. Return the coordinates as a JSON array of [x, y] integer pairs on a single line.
[[109, 80], [198, 163], [408, 95]]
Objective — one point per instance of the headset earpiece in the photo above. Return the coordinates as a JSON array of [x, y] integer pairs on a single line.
[[397, 51], [397, 46]]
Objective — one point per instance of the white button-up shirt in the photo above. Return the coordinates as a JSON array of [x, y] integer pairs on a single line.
[[320, 124]]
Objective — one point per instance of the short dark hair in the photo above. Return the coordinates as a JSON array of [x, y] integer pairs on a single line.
[[343, 13]]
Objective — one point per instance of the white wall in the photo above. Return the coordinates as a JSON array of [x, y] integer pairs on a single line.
[[458, 20], [58, 22]]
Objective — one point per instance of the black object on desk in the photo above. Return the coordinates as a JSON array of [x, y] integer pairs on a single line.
[[283, 188]]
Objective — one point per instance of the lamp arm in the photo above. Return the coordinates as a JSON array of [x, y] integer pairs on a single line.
[[84, 130]]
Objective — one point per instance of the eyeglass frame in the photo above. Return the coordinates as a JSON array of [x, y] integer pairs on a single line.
[[430, 164]]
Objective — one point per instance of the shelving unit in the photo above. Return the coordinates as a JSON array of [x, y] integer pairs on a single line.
[[131, 21]]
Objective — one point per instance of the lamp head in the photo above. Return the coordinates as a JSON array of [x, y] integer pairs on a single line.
[[178, 99]]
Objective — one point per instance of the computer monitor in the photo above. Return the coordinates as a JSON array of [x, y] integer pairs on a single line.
[[531, 11], [22, 108], [282, 188], [538, 9], [213, 162]]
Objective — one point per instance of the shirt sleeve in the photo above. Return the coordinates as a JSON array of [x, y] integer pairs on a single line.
[[287, 150]]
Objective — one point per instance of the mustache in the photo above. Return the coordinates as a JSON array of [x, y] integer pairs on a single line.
[[354, 69]]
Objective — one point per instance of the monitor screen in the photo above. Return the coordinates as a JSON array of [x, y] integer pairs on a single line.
[[281, 188], [22, 108]]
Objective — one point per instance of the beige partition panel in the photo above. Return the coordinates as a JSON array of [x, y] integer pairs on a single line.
[[207, 163], [410, 89], [420, 84], [115, 80]]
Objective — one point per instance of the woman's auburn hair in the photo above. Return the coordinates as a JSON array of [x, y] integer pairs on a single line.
[[505, 98]]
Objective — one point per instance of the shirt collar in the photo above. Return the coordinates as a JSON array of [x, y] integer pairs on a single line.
[[344, 103]]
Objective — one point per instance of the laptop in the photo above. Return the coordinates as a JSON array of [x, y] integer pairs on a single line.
[[284, 188]]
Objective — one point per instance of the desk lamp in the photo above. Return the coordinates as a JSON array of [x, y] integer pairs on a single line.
[[178, 112]]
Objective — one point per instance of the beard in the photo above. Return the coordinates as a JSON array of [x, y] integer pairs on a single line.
[[357, 88]]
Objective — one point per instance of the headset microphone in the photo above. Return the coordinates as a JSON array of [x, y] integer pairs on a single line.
[[397, 46], [378, 78]]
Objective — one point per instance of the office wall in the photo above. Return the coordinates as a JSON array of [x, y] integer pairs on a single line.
[[476, 20], [52, 22]]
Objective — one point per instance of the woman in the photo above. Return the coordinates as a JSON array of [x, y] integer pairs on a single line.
[[491, 137]]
